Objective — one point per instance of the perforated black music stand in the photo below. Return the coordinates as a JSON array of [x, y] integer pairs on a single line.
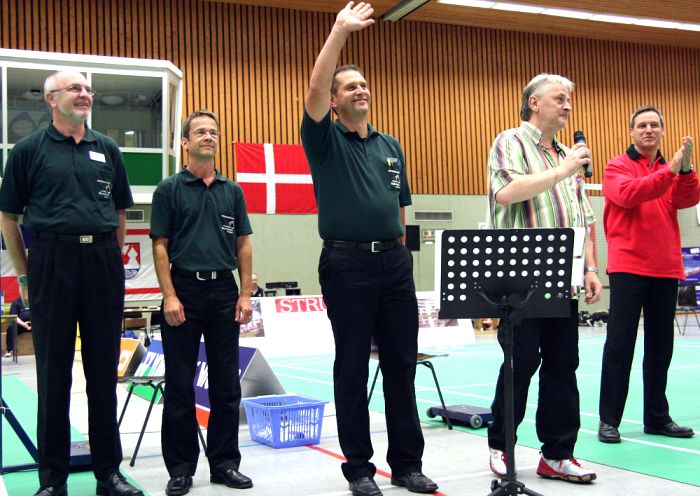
[[517, 273]]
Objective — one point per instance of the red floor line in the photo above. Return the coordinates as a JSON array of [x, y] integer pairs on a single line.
[[342, 458]]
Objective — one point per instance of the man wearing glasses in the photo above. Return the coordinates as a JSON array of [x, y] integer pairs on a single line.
[[200, 232], [70, 184]]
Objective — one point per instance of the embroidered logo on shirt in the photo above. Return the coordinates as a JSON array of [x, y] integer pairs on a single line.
[[228, 224]]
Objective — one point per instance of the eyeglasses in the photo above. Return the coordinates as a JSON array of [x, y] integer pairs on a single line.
[[201, 133], [76, 89]]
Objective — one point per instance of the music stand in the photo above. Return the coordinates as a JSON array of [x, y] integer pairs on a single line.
[[518, 273]]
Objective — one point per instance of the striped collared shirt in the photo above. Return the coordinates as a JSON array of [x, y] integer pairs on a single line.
[[517, 152]]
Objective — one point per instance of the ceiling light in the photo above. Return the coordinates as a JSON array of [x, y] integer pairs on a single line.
[[32, 95], [482, 4], [402, 9], [518, 7], [614, 18], [112, 100], [657, 23], [572, 14]]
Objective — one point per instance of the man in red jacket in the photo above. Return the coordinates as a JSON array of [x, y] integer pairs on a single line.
[[643, 193]]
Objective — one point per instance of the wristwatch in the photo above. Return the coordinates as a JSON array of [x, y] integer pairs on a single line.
[[22, 280], [590, 269]]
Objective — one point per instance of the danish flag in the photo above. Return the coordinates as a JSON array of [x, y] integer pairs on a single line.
[[275, 178]]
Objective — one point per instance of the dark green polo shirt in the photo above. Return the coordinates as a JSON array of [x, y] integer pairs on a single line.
[[200, 222], [360, 184], [66, 188]]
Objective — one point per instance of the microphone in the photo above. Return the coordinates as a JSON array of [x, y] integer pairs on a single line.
[[579, 137]]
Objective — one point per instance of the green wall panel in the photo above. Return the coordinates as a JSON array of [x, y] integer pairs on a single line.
[[144, 169]]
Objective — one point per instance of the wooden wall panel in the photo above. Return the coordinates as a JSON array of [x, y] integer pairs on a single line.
[[444, 91]]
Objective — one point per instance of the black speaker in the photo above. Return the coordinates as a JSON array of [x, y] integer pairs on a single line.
[[413, 237]]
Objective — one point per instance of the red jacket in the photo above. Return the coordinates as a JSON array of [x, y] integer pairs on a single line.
[[640, 217]]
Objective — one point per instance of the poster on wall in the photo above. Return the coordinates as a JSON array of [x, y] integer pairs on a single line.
[[256, 327], [689, 292], [140, 278], [299, 325]]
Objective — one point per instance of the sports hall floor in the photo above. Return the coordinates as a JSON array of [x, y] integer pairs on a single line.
[[642, 465]]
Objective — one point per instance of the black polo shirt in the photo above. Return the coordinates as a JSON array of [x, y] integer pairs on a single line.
[[200, 222], [360, 183], [66, 188]]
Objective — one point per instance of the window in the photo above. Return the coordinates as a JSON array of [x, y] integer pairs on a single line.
[[26, 109], [128, 109]]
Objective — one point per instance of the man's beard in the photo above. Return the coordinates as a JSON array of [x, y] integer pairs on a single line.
[[70, 114]]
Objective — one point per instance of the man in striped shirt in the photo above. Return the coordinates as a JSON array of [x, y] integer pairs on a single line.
[[535, 181]]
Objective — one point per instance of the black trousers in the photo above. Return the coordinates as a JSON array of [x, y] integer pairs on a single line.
[[373, 295], [629, 294], [551, 345], [68, 283], [210, 311]]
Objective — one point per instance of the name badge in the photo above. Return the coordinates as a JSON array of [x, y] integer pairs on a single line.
[[97, 156]]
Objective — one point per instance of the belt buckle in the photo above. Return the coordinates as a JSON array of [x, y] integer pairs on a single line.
[[374, 246], [199, 278], [85, 239]]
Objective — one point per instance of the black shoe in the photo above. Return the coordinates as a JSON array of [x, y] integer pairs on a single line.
[[178, 485], [608, 434], [116, 485], [61, 490], [232, 478], [671, 429], [415, 482], [364, 486]]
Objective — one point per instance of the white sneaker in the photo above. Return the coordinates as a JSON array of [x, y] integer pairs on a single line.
[[569, 470], [8, 354], [497, 462]]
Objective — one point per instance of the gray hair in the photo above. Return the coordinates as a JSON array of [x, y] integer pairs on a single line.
[[646, 108], [50, 82], [536, 87]]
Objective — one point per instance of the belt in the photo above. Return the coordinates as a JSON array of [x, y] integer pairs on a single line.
[[373, 246], [205, 275], [75, 238]]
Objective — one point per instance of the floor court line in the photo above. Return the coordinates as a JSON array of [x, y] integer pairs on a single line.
[[307, 379], [649, 443], [340, 457]]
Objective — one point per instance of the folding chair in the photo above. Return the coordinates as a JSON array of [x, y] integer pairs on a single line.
[[156, 383], [687, 305], [421, 359]]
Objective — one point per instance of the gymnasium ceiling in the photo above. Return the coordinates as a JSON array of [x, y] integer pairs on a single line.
[[684, 11]]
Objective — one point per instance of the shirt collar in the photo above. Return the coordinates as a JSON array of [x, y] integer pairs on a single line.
[[530, 131], [370, 129], [58, 136], [635, 155], [188, 177]]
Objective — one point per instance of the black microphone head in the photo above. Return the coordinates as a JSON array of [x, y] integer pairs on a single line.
[[579, 137]]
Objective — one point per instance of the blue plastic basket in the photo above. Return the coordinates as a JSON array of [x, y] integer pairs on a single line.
[[284, 421]]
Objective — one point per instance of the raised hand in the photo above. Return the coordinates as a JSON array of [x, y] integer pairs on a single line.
[[687, 153], [354, 17], [683, 158]]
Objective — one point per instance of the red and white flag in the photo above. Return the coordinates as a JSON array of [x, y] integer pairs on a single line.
[[275, 178]]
